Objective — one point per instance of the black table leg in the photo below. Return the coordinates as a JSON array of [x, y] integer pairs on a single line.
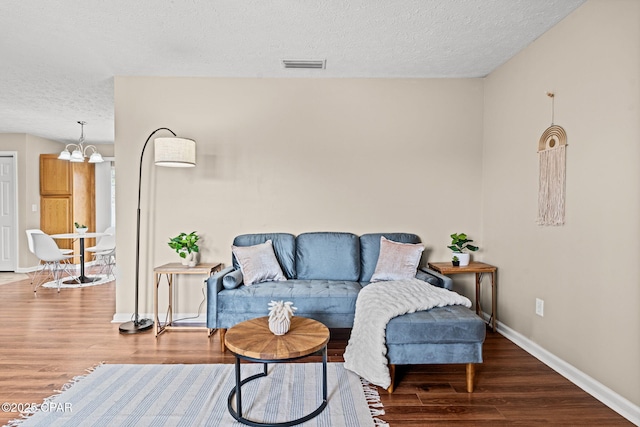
[[237, 414], [82, 278]]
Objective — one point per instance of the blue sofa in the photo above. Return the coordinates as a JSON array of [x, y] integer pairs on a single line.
[[325, 271]]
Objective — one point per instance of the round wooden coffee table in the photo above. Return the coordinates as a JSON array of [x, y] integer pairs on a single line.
[[253, 341]]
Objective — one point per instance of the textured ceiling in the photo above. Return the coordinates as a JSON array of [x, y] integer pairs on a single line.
[[58, 58]]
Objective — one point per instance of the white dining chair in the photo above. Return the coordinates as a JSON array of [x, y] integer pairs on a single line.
[[104, 252], [104, 242], [42, 266], [46, 249], [33, 231]]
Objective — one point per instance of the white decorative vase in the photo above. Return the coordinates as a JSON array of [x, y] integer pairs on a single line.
[[279, 326], [190, 259], [280, 314], [194, 259], [464, 258]]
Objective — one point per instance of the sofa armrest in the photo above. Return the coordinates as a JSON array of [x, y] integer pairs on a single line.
[[434, 278], [214, 285]]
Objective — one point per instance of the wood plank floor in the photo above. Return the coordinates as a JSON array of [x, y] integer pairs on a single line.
[[47, 338]]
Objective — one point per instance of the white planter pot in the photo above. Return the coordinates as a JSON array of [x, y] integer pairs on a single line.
[[464, 259], [194, 259], [191, 259]]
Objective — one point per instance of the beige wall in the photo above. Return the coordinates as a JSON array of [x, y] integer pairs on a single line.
[[294, 155], [587, 270]]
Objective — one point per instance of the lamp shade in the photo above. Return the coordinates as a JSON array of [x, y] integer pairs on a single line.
[[175, 152], [77, 156], [96, 158], [65, 155]]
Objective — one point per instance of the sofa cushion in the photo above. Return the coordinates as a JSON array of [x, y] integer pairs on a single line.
[[397, 261], [450, 324], [370, 250], [284, 245], [328, 256], [308, 296], [258, 263], [232, 280]]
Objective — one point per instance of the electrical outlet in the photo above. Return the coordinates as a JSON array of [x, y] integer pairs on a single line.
[[540, 307]]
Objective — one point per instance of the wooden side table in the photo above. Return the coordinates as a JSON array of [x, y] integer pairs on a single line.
[[170, 271], [479, 268]]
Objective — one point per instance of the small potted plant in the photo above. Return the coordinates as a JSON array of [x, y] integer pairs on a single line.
[[80, 228], [186, 245], [455, 261], [460, 243]]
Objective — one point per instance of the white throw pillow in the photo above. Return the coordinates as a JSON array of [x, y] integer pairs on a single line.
[[397, 261], [258, 263]]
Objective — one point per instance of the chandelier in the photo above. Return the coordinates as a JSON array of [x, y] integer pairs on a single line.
[[80, 151]]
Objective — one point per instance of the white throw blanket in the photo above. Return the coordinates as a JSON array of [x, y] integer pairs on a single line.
[[378, 303]]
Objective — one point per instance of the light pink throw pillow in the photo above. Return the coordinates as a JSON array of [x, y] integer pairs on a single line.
[[258, 263], [397, 261]]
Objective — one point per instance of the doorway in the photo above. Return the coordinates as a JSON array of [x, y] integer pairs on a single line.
[[8, 212]]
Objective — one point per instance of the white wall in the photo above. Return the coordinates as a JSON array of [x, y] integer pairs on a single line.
[[103, 195], [587, 270]]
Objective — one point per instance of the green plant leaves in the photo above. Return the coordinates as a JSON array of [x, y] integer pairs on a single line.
[[184, 243], [460, 242]]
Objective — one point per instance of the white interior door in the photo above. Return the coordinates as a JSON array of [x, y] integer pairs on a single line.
[[7, 214]]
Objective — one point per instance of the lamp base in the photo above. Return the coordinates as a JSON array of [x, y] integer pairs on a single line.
[[132, 327]]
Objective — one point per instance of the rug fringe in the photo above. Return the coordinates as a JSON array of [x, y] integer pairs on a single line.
[[373, 400], [66, 386]]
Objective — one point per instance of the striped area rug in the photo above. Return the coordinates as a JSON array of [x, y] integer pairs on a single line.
[[196, 395]]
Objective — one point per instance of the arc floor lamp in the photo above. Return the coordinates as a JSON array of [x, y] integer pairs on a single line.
[[170, 152]]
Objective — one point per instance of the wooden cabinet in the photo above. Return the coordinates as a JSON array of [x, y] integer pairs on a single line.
[[67, 195], [56, 177], [56, 214]]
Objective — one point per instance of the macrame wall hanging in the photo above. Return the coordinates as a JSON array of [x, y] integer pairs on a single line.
[[552, 160]]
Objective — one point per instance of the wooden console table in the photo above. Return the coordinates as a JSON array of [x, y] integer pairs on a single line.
[[170, 271], [479, 268]]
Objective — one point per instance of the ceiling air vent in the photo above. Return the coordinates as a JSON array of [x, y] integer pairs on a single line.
[[313, 65]]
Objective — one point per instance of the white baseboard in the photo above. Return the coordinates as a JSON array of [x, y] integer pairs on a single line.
[[596, 389], [185, 318]]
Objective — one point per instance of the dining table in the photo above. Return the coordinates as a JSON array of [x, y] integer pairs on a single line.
[[80, 236]]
